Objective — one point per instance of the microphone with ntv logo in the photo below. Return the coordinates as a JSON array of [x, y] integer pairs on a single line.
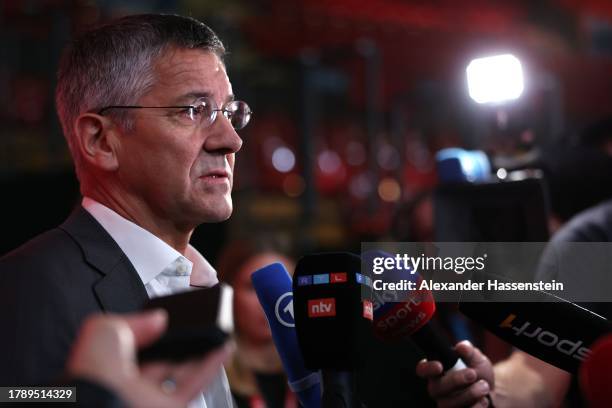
[[332, 322]]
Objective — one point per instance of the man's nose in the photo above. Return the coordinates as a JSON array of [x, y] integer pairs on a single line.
[[222, 137]]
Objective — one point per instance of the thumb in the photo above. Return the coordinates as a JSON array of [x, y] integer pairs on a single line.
[[147, 326], [470, 355]]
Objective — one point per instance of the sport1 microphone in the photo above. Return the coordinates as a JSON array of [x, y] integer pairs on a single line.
[[594, 374], [409, 316], [413, 319], [554, 330], [273, 287]]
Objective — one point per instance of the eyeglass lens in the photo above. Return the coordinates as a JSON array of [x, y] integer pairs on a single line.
[[238, 112]]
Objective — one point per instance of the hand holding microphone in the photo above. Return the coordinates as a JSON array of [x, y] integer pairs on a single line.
[[459, 376], [468, 387], [541, 330]]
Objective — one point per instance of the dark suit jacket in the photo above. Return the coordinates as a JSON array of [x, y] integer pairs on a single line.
[[49, 285]]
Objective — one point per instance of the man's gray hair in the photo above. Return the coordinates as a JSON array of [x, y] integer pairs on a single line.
[[114, 65]]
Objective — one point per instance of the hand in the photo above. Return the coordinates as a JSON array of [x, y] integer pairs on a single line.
[[467, 387], [105, 352]]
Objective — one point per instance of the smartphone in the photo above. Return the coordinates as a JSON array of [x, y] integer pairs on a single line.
[[199, 321]]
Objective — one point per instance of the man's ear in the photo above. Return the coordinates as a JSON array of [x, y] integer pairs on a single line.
[[98, 140]]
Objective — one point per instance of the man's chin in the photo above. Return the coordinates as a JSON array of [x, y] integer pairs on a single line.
[[217, 214]]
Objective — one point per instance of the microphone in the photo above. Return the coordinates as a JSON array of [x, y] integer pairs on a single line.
[[409, 316], [412, 319], [332, 322], [272, 284], [554, 330], [594, 374]]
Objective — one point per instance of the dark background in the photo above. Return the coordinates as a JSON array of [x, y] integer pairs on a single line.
[[361, 94]]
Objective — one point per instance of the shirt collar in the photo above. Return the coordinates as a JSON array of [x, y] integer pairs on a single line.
[[148, 254]]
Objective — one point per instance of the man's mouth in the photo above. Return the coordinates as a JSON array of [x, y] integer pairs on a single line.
[[216, 176]]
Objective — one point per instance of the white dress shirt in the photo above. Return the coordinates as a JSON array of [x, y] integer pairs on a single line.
[[163, 271]]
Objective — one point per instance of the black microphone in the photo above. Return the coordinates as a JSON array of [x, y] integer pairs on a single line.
[[552, 329], [332, 322]]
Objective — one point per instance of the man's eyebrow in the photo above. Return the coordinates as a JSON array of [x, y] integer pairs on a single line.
[[192, 96]]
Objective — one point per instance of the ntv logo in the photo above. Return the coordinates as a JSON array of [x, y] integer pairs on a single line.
[[547, 338], [322, 307]]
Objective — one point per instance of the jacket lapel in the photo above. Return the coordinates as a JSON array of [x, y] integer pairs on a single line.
[[120, 288]]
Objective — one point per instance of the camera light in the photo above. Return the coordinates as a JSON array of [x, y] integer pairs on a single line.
[[495, 79]]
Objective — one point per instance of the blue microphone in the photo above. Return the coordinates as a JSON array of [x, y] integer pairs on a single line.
[[273, 286]]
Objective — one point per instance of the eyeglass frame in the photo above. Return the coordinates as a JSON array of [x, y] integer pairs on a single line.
[[221, 109]]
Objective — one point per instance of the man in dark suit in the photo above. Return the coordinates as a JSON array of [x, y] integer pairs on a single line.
[[150, 118]]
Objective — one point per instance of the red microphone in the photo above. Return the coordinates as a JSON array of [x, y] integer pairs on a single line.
[[412, 318], [408, 315], [594, 374]]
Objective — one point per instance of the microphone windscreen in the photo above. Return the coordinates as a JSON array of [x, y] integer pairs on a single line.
[[399, 320], [594, 374], [332, 320], [413, 319], [401, 315], [273, 287]]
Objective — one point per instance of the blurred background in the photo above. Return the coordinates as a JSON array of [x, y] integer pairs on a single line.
[[368, 124], [352, 101]]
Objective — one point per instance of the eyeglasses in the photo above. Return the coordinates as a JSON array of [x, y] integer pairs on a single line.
[[202, 111]]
